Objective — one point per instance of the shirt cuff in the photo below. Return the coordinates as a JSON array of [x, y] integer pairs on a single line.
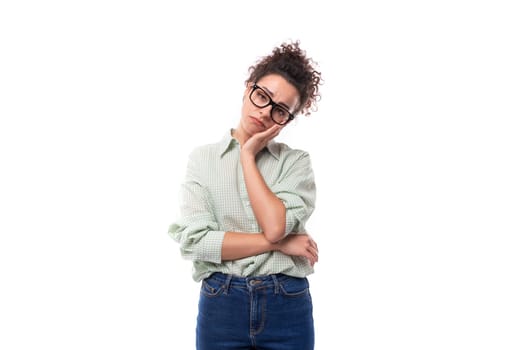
[[293, 219], [210, 247]]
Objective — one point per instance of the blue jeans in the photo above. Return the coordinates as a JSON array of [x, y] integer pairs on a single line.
[[266, 312]]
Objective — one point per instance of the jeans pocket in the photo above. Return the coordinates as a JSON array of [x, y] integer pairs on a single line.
[[212, 287], [294, 287]]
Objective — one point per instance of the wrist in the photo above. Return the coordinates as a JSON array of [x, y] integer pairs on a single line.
[[247, 155], [275, 246], [248, 160]]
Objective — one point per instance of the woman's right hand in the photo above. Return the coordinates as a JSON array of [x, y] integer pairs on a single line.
[[299, 245]]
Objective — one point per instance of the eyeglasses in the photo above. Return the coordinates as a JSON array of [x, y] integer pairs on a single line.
[[278, 113]]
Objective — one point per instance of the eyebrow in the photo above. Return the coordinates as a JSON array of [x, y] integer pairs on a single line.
[[271, 95]]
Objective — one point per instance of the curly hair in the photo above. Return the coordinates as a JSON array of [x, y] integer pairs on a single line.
[[290, 62]]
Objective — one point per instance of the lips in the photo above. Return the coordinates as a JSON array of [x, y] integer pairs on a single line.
[[257, 122]]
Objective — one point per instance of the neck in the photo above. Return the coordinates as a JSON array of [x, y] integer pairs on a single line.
[[239, 135]]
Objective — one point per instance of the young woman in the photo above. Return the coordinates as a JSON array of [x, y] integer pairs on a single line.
[[244, 205]]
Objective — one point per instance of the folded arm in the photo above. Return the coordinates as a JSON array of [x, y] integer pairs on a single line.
[[201, 238], [268, 209], [238, 245], [285, 207]]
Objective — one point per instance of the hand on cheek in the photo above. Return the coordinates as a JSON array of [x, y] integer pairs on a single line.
[[259, 140]]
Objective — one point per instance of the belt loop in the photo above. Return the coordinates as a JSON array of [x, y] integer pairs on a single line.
[[227, 283], [275, 284]]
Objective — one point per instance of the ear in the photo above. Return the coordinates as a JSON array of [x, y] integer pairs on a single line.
[[247, 89]]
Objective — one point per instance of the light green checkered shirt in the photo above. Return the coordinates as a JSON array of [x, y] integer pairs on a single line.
[[214, 200]]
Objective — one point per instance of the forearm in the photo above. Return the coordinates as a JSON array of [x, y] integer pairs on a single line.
[[237, 245], [268, 209]]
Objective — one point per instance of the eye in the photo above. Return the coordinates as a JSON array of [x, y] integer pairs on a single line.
[[262, 96], [281, 112]]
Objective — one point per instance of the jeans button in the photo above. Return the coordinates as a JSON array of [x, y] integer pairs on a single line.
[[254, 282]]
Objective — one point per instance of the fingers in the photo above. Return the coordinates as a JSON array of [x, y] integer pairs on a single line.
[[312, 259], [313, 253], [261, 139], [301, 245], [270, 133], [314, 244]]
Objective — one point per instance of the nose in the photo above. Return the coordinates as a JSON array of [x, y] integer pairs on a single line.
[[265, 111]]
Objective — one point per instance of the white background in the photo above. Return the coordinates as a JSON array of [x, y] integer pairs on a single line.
[[418, 149]]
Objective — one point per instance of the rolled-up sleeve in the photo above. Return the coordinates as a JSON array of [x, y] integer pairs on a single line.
[[296, 189], [196, 230]]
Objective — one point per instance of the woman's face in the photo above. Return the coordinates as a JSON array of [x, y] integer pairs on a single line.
[[255, 119]]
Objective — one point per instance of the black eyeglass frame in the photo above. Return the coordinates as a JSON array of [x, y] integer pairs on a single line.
[[272, 103]]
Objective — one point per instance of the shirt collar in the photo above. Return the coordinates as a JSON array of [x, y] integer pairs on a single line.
[[228, 141], [273, 148]]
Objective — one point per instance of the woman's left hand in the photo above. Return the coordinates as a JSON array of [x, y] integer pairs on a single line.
[[258, 141]]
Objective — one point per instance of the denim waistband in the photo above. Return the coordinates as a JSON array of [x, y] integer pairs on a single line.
[[228, 280]]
